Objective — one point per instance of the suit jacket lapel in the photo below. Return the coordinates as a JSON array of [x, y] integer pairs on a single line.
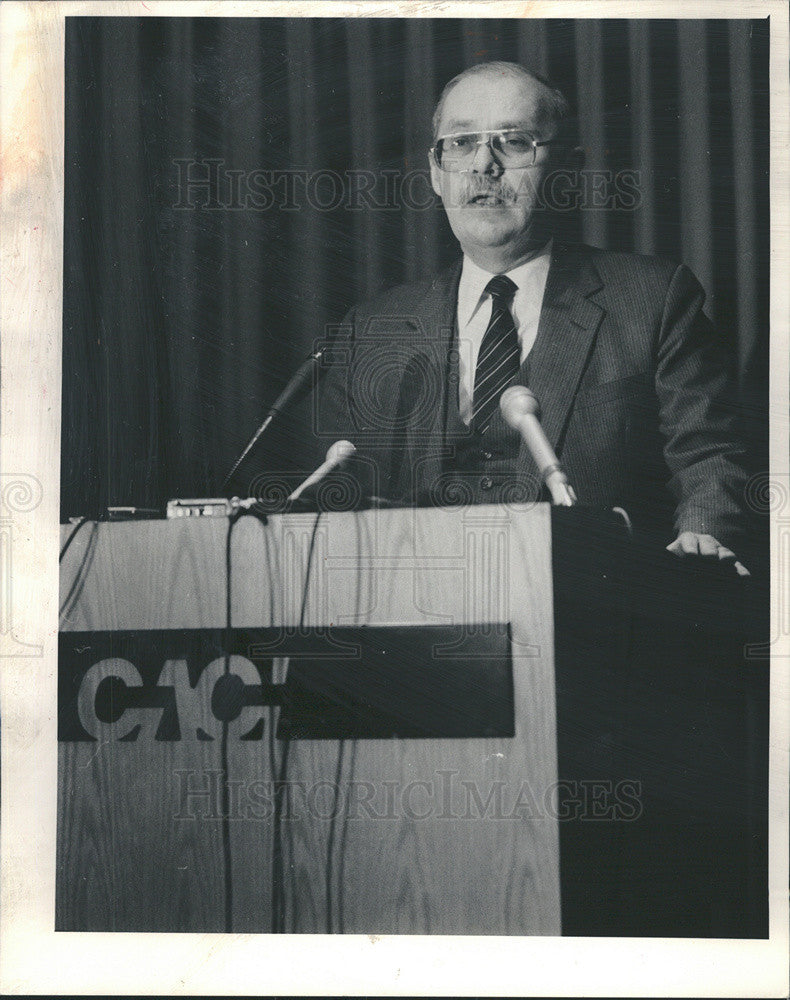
[[567, 328], [434, 315]]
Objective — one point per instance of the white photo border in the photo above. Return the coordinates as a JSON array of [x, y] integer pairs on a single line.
[[36, 959]]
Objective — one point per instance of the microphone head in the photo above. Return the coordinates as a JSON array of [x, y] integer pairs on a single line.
[[340, 452], [516, 403]]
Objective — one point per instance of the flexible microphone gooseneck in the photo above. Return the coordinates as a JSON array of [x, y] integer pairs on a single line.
[[298, 381]]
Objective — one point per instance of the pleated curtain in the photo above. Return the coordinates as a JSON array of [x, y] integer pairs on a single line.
[[184, 313]]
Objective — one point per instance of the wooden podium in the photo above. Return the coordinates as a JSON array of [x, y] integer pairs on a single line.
[[193, 796]]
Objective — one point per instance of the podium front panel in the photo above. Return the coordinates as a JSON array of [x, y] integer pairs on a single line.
[[578, 744], [223, 830]]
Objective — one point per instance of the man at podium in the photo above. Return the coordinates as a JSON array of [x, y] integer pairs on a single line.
[[523, 725], [627, 370]]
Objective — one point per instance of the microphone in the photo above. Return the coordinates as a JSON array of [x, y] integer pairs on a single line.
[[296, 382], [337, 455], [521, 411]]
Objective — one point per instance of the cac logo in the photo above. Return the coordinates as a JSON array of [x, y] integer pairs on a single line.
[[188, 684], [112, 703]]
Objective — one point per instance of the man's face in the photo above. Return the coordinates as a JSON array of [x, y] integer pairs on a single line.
[[491, 209]]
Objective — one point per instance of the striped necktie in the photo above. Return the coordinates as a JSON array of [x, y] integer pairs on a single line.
[[498, 361]]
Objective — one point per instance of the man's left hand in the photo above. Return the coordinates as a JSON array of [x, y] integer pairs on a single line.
[[689, 544]]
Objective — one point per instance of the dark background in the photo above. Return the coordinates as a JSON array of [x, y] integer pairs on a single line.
[[181, 324]]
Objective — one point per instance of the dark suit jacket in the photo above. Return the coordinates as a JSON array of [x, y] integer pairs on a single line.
[[629, 373]]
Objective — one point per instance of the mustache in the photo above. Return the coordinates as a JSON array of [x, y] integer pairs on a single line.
[[476, 188]]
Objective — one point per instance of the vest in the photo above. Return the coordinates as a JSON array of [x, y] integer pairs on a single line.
[[480, 468]]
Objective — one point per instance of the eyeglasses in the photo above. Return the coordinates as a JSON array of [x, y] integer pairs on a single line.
[[512, 147]]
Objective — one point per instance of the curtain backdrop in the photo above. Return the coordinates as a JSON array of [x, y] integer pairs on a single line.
[[232, 186]]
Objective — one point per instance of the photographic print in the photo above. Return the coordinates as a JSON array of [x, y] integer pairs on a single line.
[[418, 506]]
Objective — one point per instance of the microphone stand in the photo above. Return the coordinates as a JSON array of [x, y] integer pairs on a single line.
[[296, 382]]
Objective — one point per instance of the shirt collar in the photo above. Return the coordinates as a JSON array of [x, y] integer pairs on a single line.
[[474, 280]]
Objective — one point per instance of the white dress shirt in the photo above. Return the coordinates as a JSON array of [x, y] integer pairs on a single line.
[[474, 313]]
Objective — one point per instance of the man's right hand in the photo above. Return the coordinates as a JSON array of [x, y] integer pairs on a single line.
[[690, 544]]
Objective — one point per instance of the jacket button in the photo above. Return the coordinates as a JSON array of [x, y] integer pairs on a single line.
[[486, 483]]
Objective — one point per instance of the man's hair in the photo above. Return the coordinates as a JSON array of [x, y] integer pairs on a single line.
[[554, 108]]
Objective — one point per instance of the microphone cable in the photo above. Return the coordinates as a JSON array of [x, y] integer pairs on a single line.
[[351, 746], [233, 519], [278, 902], [83, 570], [76, 529]]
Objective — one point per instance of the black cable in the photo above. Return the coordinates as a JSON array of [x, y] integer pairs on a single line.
[[81, 575], [330, 846], [80, 521], [274, 717], [309, 568], [279, 790], [233, 519], [277, 847], [224, 766], [274, 710], [352, 747], [338, 774]]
